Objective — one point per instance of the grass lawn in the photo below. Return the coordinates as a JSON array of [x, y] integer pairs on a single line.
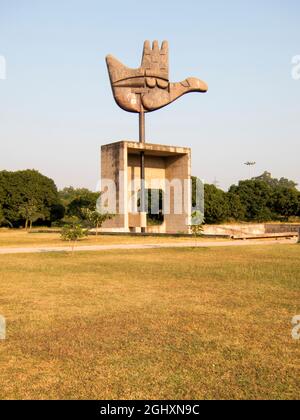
[[172, 323], [21, 238]]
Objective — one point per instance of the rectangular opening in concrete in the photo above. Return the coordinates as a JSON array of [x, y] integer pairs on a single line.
[[167, 168]]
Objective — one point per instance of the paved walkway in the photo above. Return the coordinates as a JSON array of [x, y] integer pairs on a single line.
[[200, 244]]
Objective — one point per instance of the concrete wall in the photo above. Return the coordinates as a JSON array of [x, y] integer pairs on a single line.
[[178, 168], [250, 228], [282, 227], [235, 229], [113, 161]]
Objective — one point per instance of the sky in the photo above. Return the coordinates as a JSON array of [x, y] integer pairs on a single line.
[[57, 109]]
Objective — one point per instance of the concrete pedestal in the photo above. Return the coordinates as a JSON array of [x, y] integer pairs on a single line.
[[167, 168]]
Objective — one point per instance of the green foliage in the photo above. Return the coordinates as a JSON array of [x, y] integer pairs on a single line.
[[28, 196], [194, 190], [73, 233], [286, 202], [68, 194], [197, 224], [88, 199], [256, 197], [197, 230], [216, 205], [57, 212], [155, 200], [30, 212], [94, 218], [260, 199], [237, 210], [3, 220], [274, 182], [19, 188]]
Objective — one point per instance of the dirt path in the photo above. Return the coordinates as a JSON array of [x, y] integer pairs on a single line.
[[202, 244]]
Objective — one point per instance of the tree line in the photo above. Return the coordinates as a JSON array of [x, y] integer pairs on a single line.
[[259, 199], [28, 197]]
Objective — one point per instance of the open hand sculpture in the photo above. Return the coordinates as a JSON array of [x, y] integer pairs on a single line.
[[147, 88]]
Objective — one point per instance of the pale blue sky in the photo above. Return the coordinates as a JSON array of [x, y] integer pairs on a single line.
[[56, 106]]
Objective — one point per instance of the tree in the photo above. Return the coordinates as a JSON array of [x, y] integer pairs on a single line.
[[154, 198], [285, 202], [87, 200], [260, 199], [19, 188], [95, 219], [73, 233], [68, 194], [237, 210], [30, 212], [274, 182], [3, 220], [265, 198], [57, 212], [216, 205], [197, 224], [256, 197]]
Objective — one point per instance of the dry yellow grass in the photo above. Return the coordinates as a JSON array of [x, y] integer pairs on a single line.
[[174, 323], [21, 238]]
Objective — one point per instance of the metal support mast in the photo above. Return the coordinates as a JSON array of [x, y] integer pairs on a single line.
[[142, 161]]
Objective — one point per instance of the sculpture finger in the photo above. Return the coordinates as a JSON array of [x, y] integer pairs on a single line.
[[155, 47], [146, 60], [164, 48]]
